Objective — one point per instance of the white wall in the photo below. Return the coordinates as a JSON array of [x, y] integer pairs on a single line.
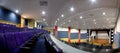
[[116, 37], [117, 29]]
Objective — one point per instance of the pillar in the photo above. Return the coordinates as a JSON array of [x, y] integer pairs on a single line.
[[110, 36], [56, 31], [69, 34], [35, 24], [22, 22], [79, 35]]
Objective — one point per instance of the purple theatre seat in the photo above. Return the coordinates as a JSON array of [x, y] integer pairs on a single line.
[[19, 38], [11, 42], [3, 45]]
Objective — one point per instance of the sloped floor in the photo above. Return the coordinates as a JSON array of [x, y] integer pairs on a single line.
[[40, 45]]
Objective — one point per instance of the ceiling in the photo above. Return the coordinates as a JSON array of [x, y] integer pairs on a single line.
[[86, 14]]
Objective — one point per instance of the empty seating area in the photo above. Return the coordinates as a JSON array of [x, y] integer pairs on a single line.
[[14, 39], [88, 47]]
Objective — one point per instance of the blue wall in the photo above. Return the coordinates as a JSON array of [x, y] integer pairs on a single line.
[[64, 34], [8, 15], [74, 35], [26, 22]]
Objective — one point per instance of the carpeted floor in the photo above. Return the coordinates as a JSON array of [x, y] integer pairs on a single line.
[[40, 45]]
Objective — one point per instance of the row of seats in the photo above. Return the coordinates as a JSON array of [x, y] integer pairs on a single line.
[[51, 46], [9, 28], [22, 40], [12, 41], [83, 46]]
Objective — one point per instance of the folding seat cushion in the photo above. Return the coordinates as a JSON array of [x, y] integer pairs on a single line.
[[11, 42]]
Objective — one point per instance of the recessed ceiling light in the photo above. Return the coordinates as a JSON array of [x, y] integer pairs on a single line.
[[62, 15], [43, 12], [103, 13], [55, 21], [81, 17], [17, 11], [44, 19], [93, 0], [72, 9], [64, 23], [58, 19], [94, 20], [69, 21]]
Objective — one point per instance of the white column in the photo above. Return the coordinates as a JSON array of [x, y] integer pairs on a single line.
[[35, 24]]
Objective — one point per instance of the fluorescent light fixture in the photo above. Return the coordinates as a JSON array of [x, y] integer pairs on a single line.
[[81, 17], [43, 12], [62, 15], [17, 11], [72, 9], [104, 13]]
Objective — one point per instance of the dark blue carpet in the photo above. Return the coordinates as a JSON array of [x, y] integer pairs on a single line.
[[40, 45]]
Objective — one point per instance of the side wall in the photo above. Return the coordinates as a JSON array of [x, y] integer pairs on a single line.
[[117, 29]]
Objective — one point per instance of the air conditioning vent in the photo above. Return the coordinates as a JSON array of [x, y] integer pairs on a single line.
[[43, 3]]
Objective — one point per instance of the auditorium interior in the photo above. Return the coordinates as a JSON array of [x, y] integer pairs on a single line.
[[59, 26]]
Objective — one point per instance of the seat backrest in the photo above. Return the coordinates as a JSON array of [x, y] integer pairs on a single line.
[[11, 42], [3, 46], [19, 38]]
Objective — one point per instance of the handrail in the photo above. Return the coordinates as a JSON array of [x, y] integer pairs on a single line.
[[59, 50]]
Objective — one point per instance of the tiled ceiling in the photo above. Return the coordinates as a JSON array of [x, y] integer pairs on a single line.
[[91, 12]]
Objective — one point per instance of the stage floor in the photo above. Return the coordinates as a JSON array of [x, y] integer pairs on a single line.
[[103, 42]]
